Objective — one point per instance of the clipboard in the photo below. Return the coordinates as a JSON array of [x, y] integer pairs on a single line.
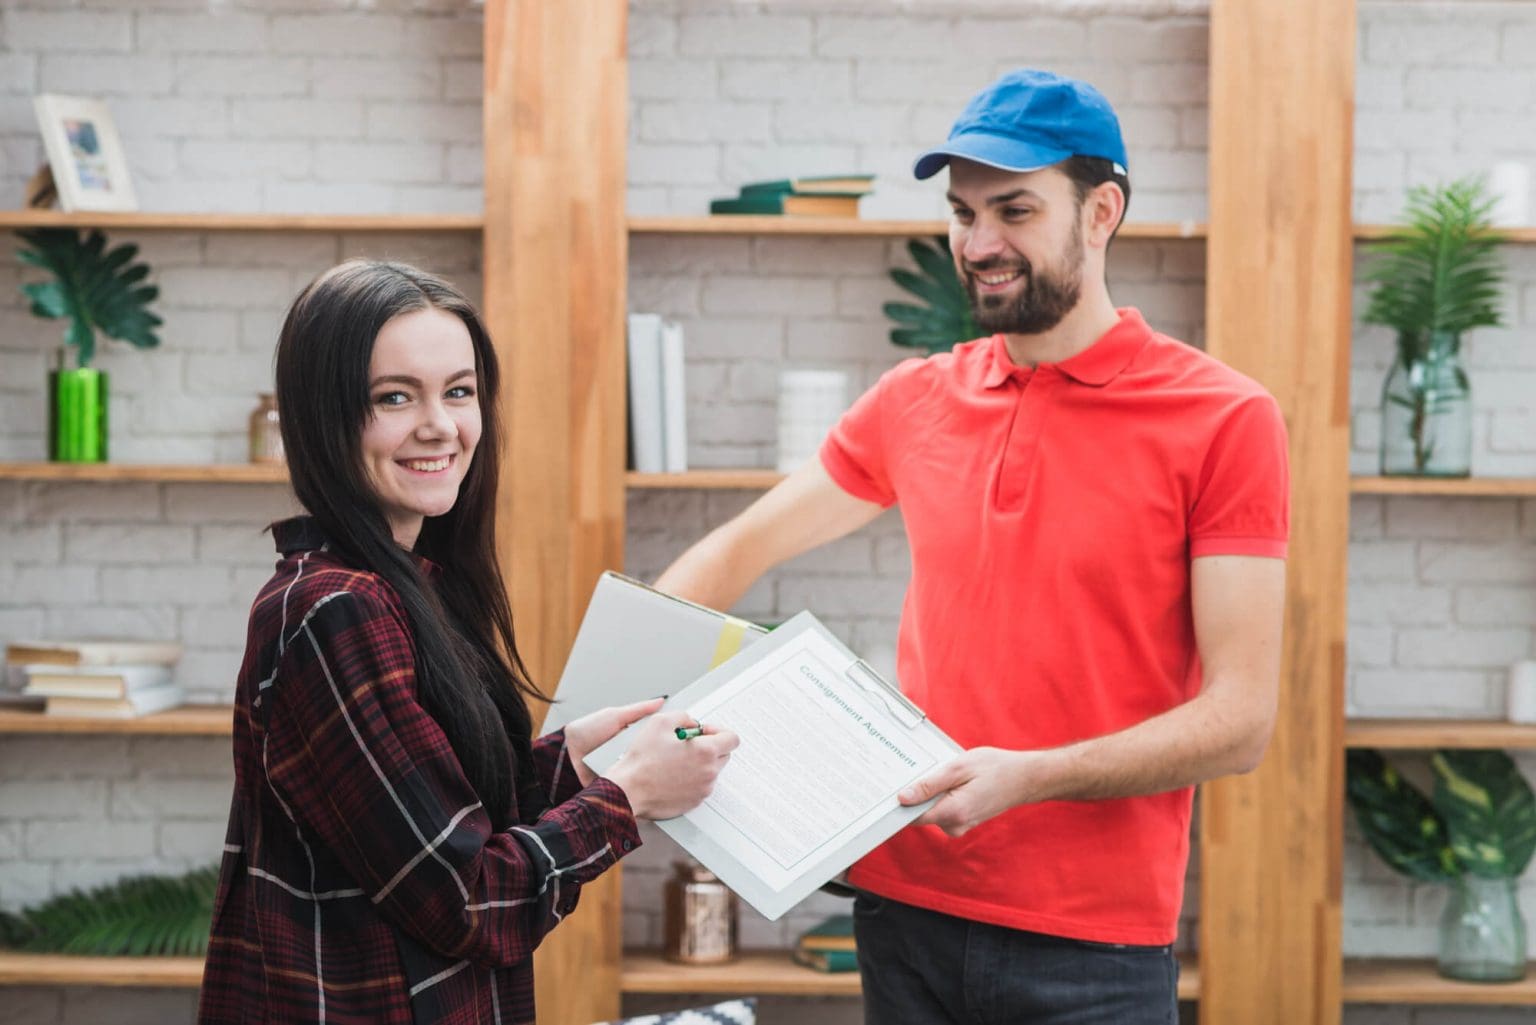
[[635, 643], [786, 817]]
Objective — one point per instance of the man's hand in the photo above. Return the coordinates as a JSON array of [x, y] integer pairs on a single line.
[[592, 731], [980, 783]]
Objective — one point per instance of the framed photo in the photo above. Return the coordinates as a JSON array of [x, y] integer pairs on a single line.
[[84, 152]]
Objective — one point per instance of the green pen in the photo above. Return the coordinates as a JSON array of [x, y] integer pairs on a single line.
[[689, 732]]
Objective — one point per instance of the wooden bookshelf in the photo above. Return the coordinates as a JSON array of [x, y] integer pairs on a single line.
[[240, 473], [857, 226], [773, 973], [156, 473], [189, 720], [21, 219], [755, 972], [17, 969], [1370, 981], [707, 480], [1368, 232], [1467, 487], [1428, 734]]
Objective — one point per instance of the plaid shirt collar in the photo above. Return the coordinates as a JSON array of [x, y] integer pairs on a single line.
[[305, 534]]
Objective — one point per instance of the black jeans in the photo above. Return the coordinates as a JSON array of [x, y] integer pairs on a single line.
[[921, 967]]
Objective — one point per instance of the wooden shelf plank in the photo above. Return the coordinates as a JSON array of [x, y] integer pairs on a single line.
[[1416, 982], [188, 720], [755, 972], [1469, 487], [1427, 734], [163, 473], [770, 225], [17, 969], [13, 219], [1368, 232], [743, 480], [773, 972]]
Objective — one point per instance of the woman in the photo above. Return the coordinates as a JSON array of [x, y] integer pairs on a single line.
[[398, 844]]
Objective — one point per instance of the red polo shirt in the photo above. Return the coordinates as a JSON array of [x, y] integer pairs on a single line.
[[1052, 515]]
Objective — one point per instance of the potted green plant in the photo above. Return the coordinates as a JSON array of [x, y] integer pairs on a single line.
[[1435, 278], [135, 916], [1476, 836], [946, 319], [94, 289]]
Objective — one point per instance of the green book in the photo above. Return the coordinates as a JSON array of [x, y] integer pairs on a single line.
[[831, 935], [828, 960], [830, 204], [855, 184]]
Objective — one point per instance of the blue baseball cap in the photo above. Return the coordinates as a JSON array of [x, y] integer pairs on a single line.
[[1027, 120]]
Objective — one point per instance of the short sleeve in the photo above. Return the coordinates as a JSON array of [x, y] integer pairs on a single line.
[[1242, 506], [853, 453]]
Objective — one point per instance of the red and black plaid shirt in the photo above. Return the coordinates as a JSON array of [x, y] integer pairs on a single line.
[[361, 879]]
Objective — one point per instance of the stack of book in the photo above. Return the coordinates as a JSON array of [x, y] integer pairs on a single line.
[[828, 946], [817, 196], [97, 679], [658, 399]]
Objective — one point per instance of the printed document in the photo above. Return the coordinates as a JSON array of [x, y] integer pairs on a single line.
[[826, 744]]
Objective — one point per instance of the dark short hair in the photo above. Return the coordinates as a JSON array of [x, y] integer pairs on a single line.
[[1088, 173]]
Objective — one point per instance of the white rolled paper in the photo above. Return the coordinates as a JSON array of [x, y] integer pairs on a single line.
[[810, 402], [1509, 183], [1521, 697]]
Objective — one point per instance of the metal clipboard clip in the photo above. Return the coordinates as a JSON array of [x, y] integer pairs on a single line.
[[881, 690]]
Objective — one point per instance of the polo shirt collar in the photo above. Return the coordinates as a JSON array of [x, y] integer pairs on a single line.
[[1095, 366]]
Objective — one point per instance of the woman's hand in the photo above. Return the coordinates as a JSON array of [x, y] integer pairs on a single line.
[[592, 731], [664, 777]]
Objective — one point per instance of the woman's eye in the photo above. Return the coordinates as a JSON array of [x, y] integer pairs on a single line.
[[390, 398], [462, 391]]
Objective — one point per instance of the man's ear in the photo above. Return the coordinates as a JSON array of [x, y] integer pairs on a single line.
[[1103, 209]]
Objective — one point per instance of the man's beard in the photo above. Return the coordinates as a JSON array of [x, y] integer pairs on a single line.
[[1047, 296]]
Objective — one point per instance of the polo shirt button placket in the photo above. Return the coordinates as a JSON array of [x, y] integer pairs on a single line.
[[1017, 469]]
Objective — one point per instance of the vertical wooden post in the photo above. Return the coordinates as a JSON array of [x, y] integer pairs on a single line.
[[555, 109], [1278, 309]]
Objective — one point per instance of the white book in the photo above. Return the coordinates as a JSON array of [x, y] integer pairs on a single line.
[[92, 652], [144, 702], [93, 681], [646, 430], [674, 394]]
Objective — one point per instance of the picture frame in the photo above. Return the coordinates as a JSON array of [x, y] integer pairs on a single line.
[[84, 153]]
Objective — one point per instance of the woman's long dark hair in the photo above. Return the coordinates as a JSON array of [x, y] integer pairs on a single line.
[[469, 676]]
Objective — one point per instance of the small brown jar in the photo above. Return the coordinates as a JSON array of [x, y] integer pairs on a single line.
[[700, 916], [266, 434]]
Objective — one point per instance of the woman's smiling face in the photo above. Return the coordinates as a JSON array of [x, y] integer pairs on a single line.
[[424, 418]]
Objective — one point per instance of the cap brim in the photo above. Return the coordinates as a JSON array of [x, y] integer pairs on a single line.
[[992, 150]]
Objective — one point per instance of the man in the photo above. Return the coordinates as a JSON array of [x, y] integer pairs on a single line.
[[1098, 519]]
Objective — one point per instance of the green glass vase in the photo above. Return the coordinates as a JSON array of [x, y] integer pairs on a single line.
[[77, 415], [1482, 933], [1426, 409]]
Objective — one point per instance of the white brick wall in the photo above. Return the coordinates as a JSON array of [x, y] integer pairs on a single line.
[[359, 107]]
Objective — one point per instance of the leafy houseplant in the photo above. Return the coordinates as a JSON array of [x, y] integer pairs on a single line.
[[946, 319], [134, 916], [93, 289], [1435, 278], [1476, 835]]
